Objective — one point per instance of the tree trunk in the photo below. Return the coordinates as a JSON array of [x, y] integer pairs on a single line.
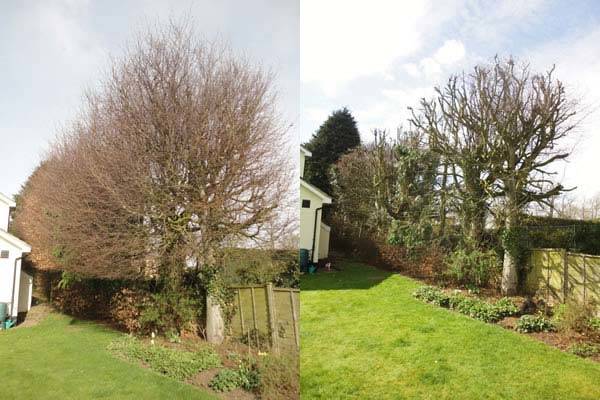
[[478, 221], [443, 201], [509, 268], [215, 325]]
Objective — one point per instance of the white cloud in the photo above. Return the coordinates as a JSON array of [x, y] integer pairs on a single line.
[[412, 69], [343, 40], [451, 52]]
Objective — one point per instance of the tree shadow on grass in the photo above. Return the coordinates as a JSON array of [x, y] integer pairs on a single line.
[[347, 275]]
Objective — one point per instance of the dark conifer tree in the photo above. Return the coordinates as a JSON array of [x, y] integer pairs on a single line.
[[335, 137]]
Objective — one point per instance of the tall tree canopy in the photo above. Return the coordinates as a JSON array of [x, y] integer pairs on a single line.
[[501, 128], [335, 137], [178, 154]]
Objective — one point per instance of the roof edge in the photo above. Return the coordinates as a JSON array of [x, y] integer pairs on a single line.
[[7, 200], [306, 152], [15, 241], [326, 198]]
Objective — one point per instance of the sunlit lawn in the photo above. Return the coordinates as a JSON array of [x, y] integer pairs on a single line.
[[365, 337], [62, 358]]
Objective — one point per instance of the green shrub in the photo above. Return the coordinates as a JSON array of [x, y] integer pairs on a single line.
[[411, 236], [472, 266], [67, 280], [225, 381], [585, 349], [506, 307], [534, 323], [177, 364], [433, 295], [594, 323], [475, 308], [250, 377], [470, 306], [247, 377]]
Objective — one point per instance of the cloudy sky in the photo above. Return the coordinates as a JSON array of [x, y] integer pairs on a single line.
[[378, 57], [51, 50]]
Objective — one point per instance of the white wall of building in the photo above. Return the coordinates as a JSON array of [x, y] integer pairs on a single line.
[[7, 276], [25, 292], [13, 250], [324, 241], [4, 215], [307, 221]]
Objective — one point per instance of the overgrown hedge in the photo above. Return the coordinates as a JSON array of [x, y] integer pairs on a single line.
[[139, 306]]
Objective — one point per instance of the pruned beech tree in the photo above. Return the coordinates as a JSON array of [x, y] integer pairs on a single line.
[[533, 117], [502, 128], [178, 154], [461, 136]]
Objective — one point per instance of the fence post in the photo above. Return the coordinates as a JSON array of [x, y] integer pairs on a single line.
[[295, 319], [548, 272], [271, 313], [254, 316], [565, 275], [584, 279]]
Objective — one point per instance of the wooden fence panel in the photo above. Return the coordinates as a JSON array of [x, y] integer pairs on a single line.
[[537, 274], [593, 279], [265, 316], [286, 325], [555, 274], [576, 282], [558, 276]]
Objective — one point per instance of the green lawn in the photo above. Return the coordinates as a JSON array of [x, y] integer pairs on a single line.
[[365, 337], [63, 358]]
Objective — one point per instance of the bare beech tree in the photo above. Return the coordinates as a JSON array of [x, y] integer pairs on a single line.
[[179, 153]]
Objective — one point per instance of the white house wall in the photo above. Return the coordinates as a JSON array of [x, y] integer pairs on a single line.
[[25, 292], [324, 241], [4, 215], [7, 268], [307, 221]]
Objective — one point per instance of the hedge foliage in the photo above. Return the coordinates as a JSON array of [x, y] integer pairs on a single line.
[[141, 306], [473, 307]]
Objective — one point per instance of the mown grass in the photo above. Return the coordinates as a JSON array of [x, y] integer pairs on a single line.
[[365, 337], [63, 358]]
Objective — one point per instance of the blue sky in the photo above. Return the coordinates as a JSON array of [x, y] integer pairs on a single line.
[[51, 50], [379, 57]]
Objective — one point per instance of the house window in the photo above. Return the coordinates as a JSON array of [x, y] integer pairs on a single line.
[[305, 203], [4, 254]]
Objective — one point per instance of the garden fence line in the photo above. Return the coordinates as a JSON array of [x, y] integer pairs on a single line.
[[266, 317], [560, 275]]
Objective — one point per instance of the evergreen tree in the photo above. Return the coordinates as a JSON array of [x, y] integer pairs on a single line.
[[335, 137]]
